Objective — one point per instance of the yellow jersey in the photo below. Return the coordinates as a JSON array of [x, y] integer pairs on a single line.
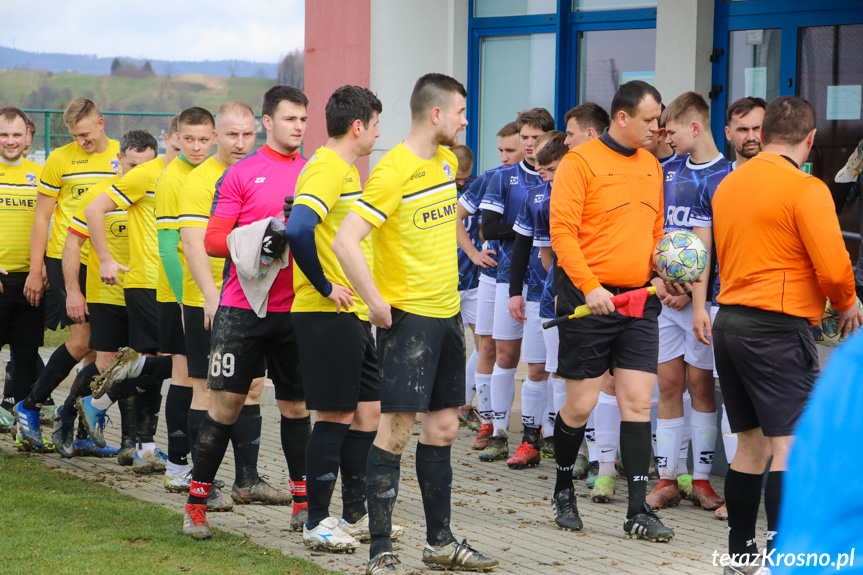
[[168, 215], [411, 202], [136, 193], [117, 233], [18, 183], [329, 186], [68, 173], [196, 200]]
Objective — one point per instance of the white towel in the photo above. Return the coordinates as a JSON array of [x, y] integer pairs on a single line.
[[245, 246]]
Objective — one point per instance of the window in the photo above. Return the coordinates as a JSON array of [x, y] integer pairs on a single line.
[[594, 5], [609, 58], [491, 8]]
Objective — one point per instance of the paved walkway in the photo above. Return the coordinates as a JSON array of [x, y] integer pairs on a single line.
[[502, 512]]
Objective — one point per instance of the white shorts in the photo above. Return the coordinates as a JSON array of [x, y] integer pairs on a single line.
[[533, 344], [552, 344], [714, 309], [485, 306], [468, 305], [676, 338], [505, 328]]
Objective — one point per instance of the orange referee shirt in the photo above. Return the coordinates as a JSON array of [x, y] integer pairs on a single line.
[[778, 241], [606, 215]]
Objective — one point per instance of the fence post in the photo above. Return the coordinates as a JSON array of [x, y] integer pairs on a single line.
[[47, 133]]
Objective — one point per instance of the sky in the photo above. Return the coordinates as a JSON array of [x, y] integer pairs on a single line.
[[257, 30]]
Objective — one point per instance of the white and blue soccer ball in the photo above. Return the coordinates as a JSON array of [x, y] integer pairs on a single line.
[[680, 257]]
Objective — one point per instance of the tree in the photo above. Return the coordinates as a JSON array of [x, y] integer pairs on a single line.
[[116, 67], [147, 70]]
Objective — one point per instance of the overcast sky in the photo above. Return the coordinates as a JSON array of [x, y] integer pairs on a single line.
[[258, 30]]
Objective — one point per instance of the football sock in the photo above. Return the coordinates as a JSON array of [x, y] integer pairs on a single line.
[[127, 420], [469, 377], [559, 393], [772, 503], [23, 378], [295, 435], [104, 402], [607, 433], [550, 412], [213, 439], [668, 437], [177, 404], [354, 457], [566, 443], [533, 400], [703, 443], [434, 474], [196, 417], [145, 449], [683, 455], [382, 489], [246, 441], [58, 367], [729, 439], [742, 497], [147, 406], [483, 396], [322, 466], [590, 437], [502, 395], [81, 386], [635, 451]]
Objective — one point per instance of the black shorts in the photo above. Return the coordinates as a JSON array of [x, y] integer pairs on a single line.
[[143, 314], [109, 326], [20, 322], [767, 364], [593, 344], [198, 344], [172, 340], [338, 360], [51, 301], [422, 363], [240, 345], [54, 270]]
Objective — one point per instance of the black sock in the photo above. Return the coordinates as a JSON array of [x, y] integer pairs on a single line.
[[81, 386], [127, 421], [295, 436], [636, 451], [196, 417], [147, 406], [567, 440], [382, 489], [158, 366], [354, 456], [24, 377], [177, 404], [434, 474], [322, 467], [156, 370], [742, 497], [59, 366], [531, 435], [213, 439], [246, 440], [772, 502]]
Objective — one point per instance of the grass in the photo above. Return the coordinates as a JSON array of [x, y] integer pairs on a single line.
[[58, 523], [56, 338]]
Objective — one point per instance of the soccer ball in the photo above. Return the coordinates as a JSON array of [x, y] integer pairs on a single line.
[[826, 333], [680, 257]]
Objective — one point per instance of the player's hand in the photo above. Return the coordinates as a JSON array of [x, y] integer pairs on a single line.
[[483, 258], [661, 292], [5, 273], [381, 316], [76, 307], [849, 321], [676, 289], [210, 307], [342, 296], [701, 326], [275, 240], [288, 207], [599, 302], [679, 302], [109, 272], [516, 308], [34, 287]]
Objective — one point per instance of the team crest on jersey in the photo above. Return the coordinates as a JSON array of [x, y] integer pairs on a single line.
[[115, 165], [669, 176], [513, 180], [31, 179], [448, 171]]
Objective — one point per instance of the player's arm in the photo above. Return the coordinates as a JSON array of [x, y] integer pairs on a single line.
[[34, 286], [76, 305], [109, 270], [199, 266], [480, 258], [348, 249], [545, 256], [701, 317], [169, 240]]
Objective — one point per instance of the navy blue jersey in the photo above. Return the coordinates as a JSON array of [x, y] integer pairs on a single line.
[[688, 194], [505, 193], [525, 225], [468, 272], [471, 200], [542, 238]]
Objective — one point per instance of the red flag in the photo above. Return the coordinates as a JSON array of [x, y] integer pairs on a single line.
[[631, 303]]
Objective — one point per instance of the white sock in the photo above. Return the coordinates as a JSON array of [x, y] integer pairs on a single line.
[[502, 394], [550, 412], [703, 443], [469, 378], [559, 392], [483, 396], [102, 403], [682, 468], [729, 440], [590, 437], [607, 433], [174, 470], [137, 366], [668, 434], [533, 400], [145, 449]]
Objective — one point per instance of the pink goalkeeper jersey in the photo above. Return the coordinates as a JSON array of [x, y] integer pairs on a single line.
[[251, 190]]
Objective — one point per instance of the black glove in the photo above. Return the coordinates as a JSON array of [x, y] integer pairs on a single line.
[[289, 205], [274, 241]]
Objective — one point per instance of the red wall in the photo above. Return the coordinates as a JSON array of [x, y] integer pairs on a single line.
[[337, 52]]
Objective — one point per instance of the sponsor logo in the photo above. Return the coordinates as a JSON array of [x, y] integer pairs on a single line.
[[639, 478], [17, 203], [79, 191], [260, 180], [438, 213], [677, 216], [120, 230], [418, 175], [388, 494], [327, 477], [75, 162]]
